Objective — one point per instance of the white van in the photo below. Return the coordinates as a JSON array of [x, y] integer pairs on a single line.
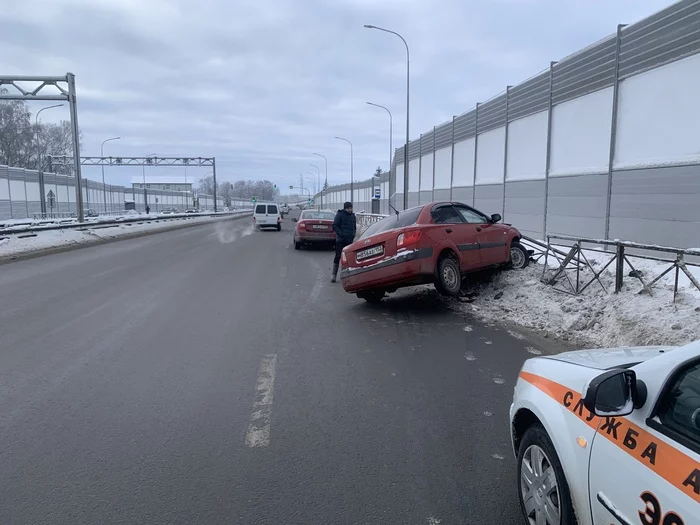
[[267, 215]]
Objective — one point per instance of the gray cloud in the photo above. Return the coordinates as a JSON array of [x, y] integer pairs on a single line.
[[262, 85]]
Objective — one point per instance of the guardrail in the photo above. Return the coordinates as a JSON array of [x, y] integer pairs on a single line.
[[123, 218], [364, 220], [620, 256]]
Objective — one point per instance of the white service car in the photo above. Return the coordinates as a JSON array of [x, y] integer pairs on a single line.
[[267, 215], [609, 437]]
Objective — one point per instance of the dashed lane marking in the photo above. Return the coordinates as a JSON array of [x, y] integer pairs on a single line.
[[258, 434]]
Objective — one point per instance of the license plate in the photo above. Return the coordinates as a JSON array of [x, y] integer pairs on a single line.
[[370, 252], [319, 227]]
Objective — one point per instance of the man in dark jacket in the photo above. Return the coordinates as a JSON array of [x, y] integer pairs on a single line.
[[345, 228]]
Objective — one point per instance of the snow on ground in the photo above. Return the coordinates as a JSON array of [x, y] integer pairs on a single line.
[[595, 318], [12, 245]]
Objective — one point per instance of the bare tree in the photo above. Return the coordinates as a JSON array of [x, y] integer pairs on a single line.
[[15, 133], [22, 143], [225, 191], [262, 189], [206, 185], [55, 139]]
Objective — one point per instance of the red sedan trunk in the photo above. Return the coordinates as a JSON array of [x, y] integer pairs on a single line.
[[314, 227]]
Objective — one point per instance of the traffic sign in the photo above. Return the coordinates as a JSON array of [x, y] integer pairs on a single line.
[[377, 193], [51, 199]]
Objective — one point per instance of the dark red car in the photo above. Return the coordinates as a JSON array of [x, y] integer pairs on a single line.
[[314, 227], [434, 243]]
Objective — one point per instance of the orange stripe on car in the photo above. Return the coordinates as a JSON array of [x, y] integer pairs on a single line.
[[679, 469]]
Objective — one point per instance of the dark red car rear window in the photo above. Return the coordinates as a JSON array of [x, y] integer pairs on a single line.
[[403, 219]]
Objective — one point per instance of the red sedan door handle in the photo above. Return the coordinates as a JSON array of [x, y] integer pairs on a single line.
[[448, 230], [478, 229]]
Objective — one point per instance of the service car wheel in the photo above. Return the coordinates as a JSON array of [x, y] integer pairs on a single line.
[[449, 277], [519, 258], [544, 492]]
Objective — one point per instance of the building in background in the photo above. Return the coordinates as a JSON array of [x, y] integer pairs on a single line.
[[162, 182]]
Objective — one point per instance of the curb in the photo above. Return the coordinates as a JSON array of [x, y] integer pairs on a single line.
[[6, 259]]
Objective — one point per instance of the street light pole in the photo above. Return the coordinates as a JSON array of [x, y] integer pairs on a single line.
[[408, 107], [352, 173], [313, 181], [102, 154], [326, 181], [391, 135], [39, 156], [145, 194], [318, 183]]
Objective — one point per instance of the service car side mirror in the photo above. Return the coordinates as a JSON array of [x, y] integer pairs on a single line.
[[615, 393], [294, 219], [496, 217]]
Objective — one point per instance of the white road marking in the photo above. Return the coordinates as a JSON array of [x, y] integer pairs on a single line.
[[316, 290], [533, 351], [469, 356], [499, 380], [488, 342], [258, 434]]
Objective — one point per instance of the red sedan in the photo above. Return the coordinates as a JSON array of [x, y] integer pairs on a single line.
[[434, 243], [314, 227]]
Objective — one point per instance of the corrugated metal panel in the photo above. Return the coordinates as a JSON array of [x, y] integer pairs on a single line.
[[398, 156], [492, 114], [426, 143], [414, 149], [589, 70], [465, 126], [443, 135], [530, 97], [15, 173], [669, 35]]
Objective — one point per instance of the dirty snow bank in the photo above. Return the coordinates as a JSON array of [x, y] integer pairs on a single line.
[[13, 245], [594, 318]]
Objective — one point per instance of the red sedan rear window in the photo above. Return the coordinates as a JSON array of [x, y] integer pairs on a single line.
[[317, 215], [403, 219]]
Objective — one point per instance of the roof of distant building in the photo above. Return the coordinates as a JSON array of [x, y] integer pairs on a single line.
[[162, 179]]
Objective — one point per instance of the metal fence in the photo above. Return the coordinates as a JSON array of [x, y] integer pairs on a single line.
[[602, 143], [20, 196]]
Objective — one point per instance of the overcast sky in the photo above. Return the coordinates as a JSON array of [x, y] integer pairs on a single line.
[[263, 84]]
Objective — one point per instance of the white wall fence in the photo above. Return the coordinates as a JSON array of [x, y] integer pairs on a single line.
[[335, 196], [20, 196], [603, 143]]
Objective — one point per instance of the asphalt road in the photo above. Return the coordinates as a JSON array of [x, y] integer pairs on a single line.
[[215, 375]]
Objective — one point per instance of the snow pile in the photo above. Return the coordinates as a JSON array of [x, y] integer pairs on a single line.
[[13, 245], [594, 318]]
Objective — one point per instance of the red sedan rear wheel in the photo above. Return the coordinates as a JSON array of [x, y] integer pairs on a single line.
[[449, 277]]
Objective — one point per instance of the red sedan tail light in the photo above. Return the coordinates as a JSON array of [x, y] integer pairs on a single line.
[[344, 258], [408, 238]]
